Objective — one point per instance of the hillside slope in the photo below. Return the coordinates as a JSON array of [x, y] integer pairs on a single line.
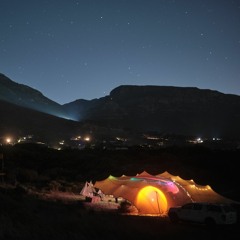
[[175, 110]]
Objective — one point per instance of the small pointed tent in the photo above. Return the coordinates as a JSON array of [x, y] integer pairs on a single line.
[[88, 190], [155, 194]]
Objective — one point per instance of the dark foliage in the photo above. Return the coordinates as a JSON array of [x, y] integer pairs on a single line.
[[25, 216], [37, 165]]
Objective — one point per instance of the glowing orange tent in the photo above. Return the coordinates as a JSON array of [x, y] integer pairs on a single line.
[[154, 194]]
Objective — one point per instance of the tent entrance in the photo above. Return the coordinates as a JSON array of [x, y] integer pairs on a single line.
[[151, 200]]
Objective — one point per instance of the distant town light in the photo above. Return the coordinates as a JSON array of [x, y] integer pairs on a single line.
[[199, 140], [77, 138], [8, 140], [87, 139]]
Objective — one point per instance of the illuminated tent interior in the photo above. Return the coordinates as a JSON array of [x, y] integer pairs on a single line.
[[154, 194]]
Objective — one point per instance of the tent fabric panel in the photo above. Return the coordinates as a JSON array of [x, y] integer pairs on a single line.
[[177, 191]]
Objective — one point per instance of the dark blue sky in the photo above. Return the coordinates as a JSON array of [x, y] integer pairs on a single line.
[[82, 49]]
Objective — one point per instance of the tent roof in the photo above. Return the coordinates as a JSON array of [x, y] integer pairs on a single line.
[[174, 189]]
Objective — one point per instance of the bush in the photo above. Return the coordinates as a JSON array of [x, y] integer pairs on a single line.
[[126, 207]]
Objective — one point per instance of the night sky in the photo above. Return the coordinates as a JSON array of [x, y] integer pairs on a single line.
[[82, 49]]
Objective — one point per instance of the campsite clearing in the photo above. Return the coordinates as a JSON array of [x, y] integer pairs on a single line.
[[65, 215]]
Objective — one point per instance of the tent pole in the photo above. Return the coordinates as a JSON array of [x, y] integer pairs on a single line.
[[158, 203]]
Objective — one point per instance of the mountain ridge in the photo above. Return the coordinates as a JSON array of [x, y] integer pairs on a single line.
[[137, 109], [181, 110], [26, 96]]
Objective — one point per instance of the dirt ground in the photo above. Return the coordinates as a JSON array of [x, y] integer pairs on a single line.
[[67, 216], [107, 223]]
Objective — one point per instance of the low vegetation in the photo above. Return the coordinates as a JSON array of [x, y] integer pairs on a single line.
[[39, 195]]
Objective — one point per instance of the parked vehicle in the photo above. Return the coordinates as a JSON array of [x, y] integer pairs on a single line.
[[205, 213]]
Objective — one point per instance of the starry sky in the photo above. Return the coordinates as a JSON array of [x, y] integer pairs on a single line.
[[83, 49]]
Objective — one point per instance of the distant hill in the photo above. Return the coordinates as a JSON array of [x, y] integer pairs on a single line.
[[28, 97], [163, 109], [19, 121]]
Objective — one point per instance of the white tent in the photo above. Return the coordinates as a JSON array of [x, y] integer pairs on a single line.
[[88, 190], [91, 193]]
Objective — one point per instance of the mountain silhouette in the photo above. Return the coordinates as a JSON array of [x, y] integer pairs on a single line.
[[175, 110], [28, 97], [126, 110]]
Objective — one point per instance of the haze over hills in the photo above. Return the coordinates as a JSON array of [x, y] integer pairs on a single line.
[[28, 97], [20, 121], [126, 110]]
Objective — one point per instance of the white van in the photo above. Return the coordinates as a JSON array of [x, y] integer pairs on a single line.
[[205, 213]]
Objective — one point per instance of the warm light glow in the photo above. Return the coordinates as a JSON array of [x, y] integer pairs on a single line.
[[151, 200], [8, 140], [87, 139]]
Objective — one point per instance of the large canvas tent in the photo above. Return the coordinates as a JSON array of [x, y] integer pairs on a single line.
[[155, 194]]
